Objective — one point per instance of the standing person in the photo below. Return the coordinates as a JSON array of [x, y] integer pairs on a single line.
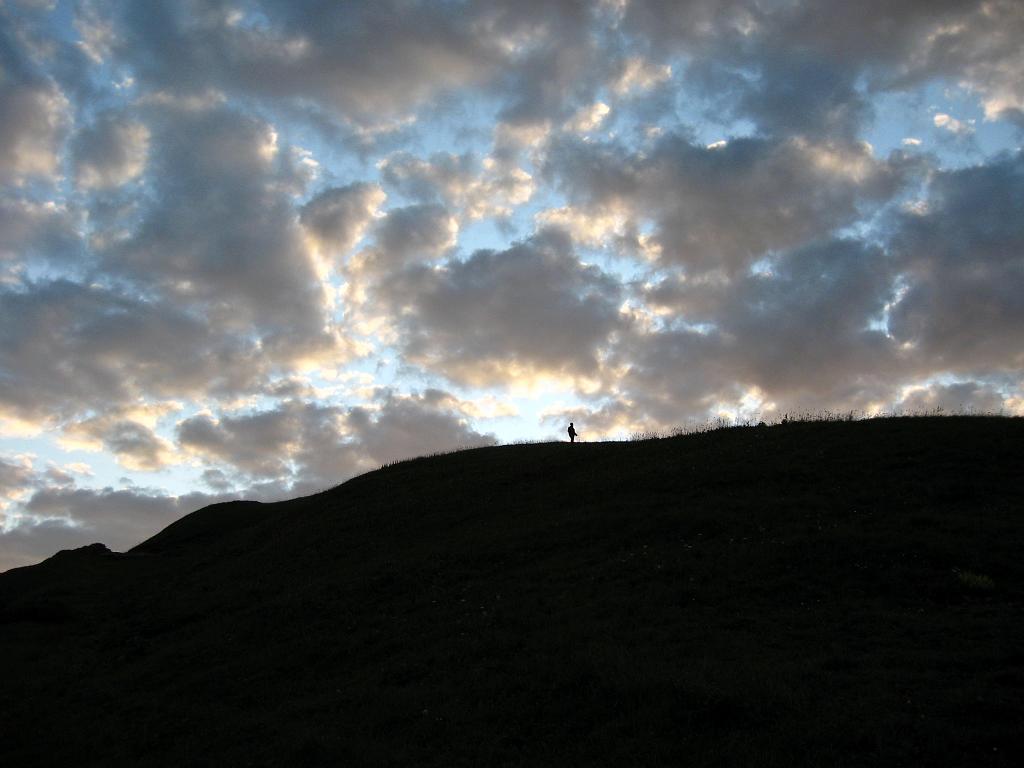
[[572, 433]]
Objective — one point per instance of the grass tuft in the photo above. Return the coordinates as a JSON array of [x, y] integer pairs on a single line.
[[974, 580]]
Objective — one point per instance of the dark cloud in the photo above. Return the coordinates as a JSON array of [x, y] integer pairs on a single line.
[[752, 57], [34, 112], [293, 449], [568, 58], [257, 444], [66, 348], [110, 152], [498, 315], [223, 235], [796, 94], [961, 256], [797, 335], [135, 444], [724, 207], [305, 447], [33, 122], [405, 426], [46, 512], [15, 474], [409, 235], [366, 61], [216, 480], [964, 397], [31, 231], [131, 512], [426, 229], [32, 542], [844, 325], [802, 330], [339, 216], [63, 518]]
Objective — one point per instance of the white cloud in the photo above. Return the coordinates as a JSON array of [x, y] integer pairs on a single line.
[[951, 124], [637, 74], [588, 118]]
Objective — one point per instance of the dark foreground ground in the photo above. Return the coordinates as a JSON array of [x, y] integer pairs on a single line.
[[806, 594]]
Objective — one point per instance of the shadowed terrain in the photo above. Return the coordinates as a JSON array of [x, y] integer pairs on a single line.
[[806, 594]]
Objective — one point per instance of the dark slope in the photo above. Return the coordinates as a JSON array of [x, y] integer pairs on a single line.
[[808, 594]]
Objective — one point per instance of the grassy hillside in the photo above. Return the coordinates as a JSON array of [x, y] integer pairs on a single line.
[[805, 594]]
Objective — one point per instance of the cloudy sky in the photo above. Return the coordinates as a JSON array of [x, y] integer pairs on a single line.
[[250, 249]]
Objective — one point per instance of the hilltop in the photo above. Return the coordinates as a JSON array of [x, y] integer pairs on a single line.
[[845, 593]]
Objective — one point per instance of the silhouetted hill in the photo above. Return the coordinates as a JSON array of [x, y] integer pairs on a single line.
[[805, 594]]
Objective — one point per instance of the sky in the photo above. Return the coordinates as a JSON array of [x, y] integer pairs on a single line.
[[251, 249]]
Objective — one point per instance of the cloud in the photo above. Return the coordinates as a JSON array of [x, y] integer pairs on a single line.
[[796, 334], [951, 124], [799, 66], [135, 445], [963, 397], [840, 324], [259, 444], [110, 152], [472, 189], [961, 257], [413, 234], [33, 123], [32, 542], [34, 112], [305, 446], [557, 63], [31, 231], [68, 348], [417, 425], [70, 517], [588, 118], [291, 51], [96, 31], [16, 474], [951, 131], [338, 217], [531, 310], [637, 74], [222, 235], [43, 512], [721, 208], [810, 95], [294, 448]]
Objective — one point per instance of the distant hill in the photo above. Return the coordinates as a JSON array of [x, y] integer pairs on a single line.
[[843, 593]]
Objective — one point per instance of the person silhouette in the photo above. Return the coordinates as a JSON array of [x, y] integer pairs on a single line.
[[572, 433]]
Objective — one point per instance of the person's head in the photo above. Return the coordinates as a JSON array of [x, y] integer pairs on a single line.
[[570, 423]]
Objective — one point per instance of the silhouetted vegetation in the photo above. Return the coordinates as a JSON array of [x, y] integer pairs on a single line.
[[841, 593]]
